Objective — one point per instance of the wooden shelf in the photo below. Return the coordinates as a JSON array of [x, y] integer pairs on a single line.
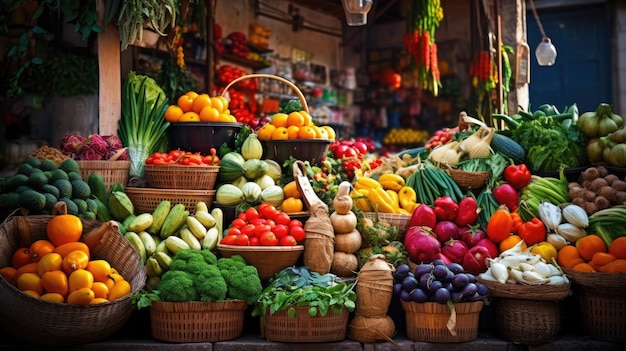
[[255, 65]]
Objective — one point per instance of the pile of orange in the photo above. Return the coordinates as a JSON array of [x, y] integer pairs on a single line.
[[295, 125], [194, 107], [591, 254], [60, 268]]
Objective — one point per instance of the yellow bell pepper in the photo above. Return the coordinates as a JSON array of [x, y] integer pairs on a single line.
[[366, 183], [391, 182], [361, 200], [407, 198]]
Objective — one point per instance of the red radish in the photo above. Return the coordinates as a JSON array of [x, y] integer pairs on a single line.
[[475, 260], [421, 244], [472, 235], [445, 231], [454, 250]]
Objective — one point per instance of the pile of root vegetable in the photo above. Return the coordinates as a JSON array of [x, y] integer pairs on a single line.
[[598, 189]]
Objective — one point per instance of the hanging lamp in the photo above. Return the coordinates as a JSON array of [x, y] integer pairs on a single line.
[[356, 11], [546, 51]]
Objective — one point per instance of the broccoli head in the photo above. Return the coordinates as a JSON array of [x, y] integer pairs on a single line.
[[242, 279], [177, 286], [291, 106], [210, 285]]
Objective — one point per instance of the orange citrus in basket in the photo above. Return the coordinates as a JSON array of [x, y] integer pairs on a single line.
[[75, 260], [30, 281], [189, 117], [279, 120], [185, 102], [588, 245], [191, 94], [280, 133], [80, 279], [65, 249], [292, 132], [50, 262], [330, 131], [173, 113], [209, 114], [201, 101], [308, 120], [218, 104], [53, 297], [306, 132], [100, 289], [224, 103], [100, 270], [21, 257], [39, 249], [120, 289], [295, 119], [265, 132], [64, 229], [82, 296], [55, 282]]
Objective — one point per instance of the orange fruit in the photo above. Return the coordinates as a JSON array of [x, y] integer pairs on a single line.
[[21, 257], [55, 282], [32, 293], [97, 300], [173, 113], [201, 101], [65, 249], [217, 103], [308, 120], [209, 114], [64, 229], [75, 260], [8, 273], [50, 262], [120, 289], [54, 297], [295, 119], [306, 132], [293, 132], [100, 270], [590, 244], [330, 131], [27, 268], [265, 132], [190, 116], [100, 289], [224, 102], [82, 296], [185, 102], [227, 117], [279, 120], [80, 279], [30, 281], [39, 249], [318, 131], [280, 133], [191, 94], [510, 241]]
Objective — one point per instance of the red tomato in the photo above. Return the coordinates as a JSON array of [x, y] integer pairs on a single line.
[[248, 229], [268, 239], [242, 215], [268, 211], [270, 222], [251, 214], [228, 240], [238, 223], [242, 240], [288, 240], [254, 241], [282, 218], [280, 230], [257, 221], [295, 222], [298, 233], [261, 228], [234, 231]]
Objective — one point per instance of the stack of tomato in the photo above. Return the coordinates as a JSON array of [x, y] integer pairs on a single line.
[[264, 226], [184, 158], [60, 268]]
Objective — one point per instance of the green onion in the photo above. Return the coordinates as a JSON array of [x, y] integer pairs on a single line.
[[608, 223]]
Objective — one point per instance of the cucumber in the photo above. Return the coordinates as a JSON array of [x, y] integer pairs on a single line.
[[135, 242], [508, 147], [175, 219], [158, 216], [140, 223]]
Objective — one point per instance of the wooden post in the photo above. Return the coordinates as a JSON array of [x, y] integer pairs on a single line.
[[110, 82]]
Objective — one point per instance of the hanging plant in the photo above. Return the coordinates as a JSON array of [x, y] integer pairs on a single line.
[[422, 21]]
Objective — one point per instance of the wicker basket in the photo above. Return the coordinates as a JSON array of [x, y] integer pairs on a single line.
[[601, 298], [111, 171], [428, 321], [268, 260], [529, 322], [400, 221], [527, 292], [145, 200], [304, 328], [196, 321], [469, 180], [36, 321], [181, 177]]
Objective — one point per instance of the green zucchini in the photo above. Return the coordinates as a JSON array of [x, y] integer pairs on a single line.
[[508, 147]]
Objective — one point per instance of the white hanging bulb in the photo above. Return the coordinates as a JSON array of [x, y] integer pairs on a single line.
[[356, 11], [545, 52]]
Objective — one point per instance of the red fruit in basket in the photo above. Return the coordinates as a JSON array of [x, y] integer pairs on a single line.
[[242, 240], [261, 228], [248, 229], [251, 214], [280, 230], [295, 222], [268, 239], [282, 218], [298, 233], [288, 241], [268, 211], [238, 223], [254, 241]]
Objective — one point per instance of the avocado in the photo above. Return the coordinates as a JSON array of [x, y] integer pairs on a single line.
[[33, 161], [25, 169], [37, 179], [32, 200], [58, 174], [50, 201], [51, 189], [9, 200], [15, 181], [64, 186], [72, 208], [81, 204], [48, 165], [74, 176], [80, 189], [69, 165]]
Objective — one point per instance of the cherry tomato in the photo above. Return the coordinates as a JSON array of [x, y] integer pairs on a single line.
[[234, 231], [261, 228], [228, 240], [242, 215], [268, 239], [242, 240], [280, 230], [238, 223], [248, 229], [298, 233], [268, 211], [270, 222], [295, 222], [282, 218], [288, 240], [254, 241], [257, 221], [251, 214]]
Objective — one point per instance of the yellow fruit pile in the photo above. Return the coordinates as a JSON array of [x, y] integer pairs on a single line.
[[194, 107], [295, 125]]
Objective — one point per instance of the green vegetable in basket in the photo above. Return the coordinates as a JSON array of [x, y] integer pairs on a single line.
[[142, 125]]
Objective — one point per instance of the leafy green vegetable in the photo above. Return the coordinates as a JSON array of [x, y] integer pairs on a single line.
[[291, 106], [549, 146]]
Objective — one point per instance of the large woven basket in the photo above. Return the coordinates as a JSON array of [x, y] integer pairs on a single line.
[[429, 321], [268, 260], [36, 321], [147, 199], [196, 321], [181, 177], [529, 322], [601, 299], [469, 180], [527, 292], [111, 171], [304, 328]]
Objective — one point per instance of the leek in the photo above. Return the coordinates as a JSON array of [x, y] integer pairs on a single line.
[[142, 125]]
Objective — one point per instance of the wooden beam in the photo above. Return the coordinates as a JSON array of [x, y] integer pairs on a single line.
[[110, 81]]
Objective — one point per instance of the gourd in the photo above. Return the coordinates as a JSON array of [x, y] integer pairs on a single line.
[[229, 195], [231, 167], [449, 154], [251, 147], [477, 145], [508, 147], [344, 264], [343, 223], [264, 181], [273, 169], [348, 242], [273, 195], [254, 168], [251, 192], [342, 203]]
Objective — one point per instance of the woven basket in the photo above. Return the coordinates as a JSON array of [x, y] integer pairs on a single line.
[[529, 322], [597, 279], [527, 292], [400, 221], [304, 328], [111, 171], [196, 321], [469, 180], [36, 321], [268, 260], [145, 200], [181, 177], [428, 321]]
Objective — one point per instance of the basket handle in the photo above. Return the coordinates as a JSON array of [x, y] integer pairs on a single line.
[[298, 92]]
